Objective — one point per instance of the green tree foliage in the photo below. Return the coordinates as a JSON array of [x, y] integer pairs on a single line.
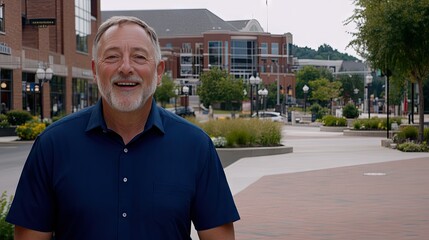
[[324, 52], [165, 91], [218, 86], [6, 229], [310, 73], [393, 36], [349, 84], [324, 90]]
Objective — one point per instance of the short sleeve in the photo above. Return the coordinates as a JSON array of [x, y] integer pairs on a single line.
[[32, 206], [213, 204]]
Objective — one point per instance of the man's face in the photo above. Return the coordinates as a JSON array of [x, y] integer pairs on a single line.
[[126, 70]]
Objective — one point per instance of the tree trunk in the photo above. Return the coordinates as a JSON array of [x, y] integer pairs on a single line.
[[421, 110]]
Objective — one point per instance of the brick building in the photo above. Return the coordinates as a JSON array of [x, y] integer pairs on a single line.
[[38, 35], [195, 40]]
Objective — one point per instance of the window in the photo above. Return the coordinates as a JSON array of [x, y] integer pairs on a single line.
[[243, 57], [2, 18], [82, 24], [84, 94], [274, 48], [215, 54], [5, 88], [264, 48], [58, 87]]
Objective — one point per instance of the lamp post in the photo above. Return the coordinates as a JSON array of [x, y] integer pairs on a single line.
[[176, 92], [3, 107], [356, 91], [43, 74], [368, 80], [254, 81], [278, 83], [264, 93], [244, 98], [185, 90], [305, 89]]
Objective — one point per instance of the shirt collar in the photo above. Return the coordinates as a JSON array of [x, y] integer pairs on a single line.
[[96, 120]]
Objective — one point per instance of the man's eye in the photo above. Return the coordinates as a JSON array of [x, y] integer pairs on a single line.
[[111, 58], [139, 58]]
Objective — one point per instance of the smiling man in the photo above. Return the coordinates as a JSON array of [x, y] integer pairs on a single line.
[[124, 168]]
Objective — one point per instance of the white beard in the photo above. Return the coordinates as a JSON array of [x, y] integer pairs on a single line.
[[125, 101]]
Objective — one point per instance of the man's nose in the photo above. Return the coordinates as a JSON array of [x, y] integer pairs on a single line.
[[126, 67]]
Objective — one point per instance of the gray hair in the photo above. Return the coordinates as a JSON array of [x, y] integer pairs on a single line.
[[118, 20]]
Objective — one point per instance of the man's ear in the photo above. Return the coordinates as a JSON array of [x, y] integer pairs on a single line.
[[94, 70], [160, 71]]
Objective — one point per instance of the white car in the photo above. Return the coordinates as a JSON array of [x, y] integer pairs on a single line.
[[273, 116]]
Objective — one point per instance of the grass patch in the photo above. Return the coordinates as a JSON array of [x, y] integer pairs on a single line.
[[242, 132]]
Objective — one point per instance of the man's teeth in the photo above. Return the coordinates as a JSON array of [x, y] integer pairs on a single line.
[[126, 84]]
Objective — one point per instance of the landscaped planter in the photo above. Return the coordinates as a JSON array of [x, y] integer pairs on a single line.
[[7, 131], [368, 133], [231, 155], [333, 128]]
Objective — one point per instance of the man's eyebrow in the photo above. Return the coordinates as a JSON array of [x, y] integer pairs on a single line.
[[133, 49]]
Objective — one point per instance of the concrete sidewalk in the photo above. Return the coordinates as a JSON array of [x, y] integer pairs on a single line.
[[332, 187], [8, 139]]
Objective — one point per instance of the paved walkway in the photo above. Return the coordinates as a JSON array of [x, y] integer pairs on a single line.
[[332, 187]]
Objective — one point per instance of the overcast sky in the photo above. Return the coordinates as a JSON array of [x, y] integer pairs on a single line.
[[312, 22]]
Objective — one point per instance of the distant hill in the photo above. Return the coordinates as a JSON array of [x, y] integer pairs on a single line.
[[324, 52]]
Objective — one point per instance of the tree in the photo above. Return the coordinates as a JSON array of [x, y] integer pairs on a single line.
[[393, 36], [218, 86], [307, 74], [164, 92], [324, 90]]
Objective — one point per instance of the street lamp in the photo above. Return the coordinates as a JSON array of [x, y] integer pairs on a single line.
[[185, 90], [356, 91], [3, 85], [264, 93], [176, 92], [305, 89], [254, 81], [368, 81], [43, 74]]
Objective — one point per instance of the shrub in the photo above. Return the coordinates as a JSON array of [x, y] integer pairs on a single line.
[[30, 130], [318, 111], [350, 111], [411, 133], [332, 121], [243, 132], [18, 117], [374, 123], [3, 121], [426, 135], [412, 147], [6, 229]]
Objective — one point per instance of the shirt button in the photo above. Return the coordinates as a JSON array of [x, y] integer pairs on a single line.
[[125, 179], [125, 150], [124, 215]]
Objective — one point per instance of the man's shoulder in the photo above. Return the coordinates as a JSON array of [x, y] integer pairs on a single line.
[[178, 122], [74, 122]]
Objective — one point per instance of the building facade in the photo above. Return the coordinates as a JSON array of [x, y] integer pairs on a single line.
[[38, 35], [195, 40]]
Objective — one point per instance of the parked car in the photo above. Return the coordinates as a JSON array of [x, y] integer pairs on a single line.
[[273, 116], [184, 112]]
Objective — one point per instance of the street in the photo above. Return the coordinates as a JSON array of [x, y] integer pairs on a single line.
[[12, 159]]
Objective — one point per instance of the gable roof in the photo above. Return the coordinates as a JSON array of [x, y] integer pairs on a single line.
[[239, 24], [251, 25], [177, 22]]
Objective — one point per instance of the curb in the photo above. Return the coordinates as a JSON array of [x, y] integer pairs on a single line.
[[231, 155]]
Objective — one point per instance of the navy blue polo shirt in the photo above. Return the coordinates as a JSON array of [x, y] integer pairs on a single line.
[[81, 181]]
